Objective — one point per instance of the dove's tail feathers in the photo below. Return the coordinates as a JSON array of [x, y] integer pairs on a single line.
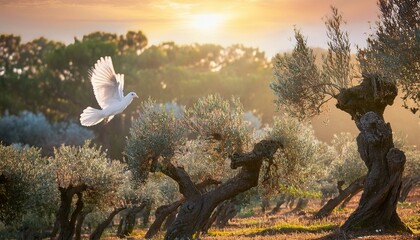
[[91, 116]]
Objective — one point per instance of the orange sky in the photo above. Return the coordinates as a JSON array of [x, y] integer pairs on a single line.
[[266, 24]]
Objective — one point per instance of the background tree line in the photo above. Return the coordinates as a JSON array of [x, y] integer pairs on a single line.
[[52, 78]]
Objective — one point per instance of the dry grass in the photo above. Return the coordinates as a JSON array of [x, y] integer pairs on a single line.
[[286, 226]]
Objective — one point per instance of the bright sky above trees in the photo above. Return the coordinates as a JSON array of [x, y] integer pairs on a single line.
[[266, 24]]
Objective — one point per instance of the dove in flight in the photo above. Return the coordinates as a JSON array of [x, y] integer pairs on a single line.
[[108, 89]]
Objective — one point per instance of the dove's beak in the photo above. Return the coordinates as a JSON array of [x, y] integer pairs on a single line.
[[135, 96]]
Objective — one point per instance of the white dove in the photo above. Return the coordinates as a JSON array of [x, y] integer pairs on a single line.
[[108, 89]]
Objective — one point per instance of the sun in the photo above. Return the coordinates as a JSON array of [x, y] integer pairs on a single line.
[[207, 21]]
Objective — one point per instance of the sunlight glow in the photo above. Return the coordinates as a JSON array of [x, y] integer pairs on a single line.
[[207, 21]]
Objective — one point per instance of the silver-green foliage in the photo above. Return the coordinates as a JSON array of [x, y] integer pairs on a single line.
[[300, 86], [213, 117], [29, 191], [300, 163], [159, 189], [347, 165], [297, 82], [394, 49], [200, 140], [203, 160], [88, 165], [155, 133], [337, 69]]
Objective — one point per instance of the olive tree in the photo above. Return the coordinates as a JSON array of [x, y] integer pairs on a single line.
[[85, 175], [305, 88], [28, 197], [193, 150], [158, 140]]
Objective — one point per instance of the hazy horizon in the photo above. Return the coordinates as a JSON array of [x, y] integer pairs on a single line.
[[267, 25]]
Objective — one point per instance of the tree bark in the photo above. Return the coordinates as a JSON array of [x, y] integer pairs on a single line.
[[165, 211], [407, 185], [355, 186], [97, 233], [66, 220], [79, 223], [377, 207], [228, 212], [170, 219], [160, 215], [195, 212], [291, 202], [128, 221]]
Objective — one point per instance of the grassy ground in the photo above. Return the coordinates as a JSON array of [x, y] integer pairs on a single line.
[[287, 226]]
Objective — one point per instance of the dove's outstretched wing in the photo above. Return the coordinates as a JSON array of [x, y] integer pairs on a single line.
[[107, 85]]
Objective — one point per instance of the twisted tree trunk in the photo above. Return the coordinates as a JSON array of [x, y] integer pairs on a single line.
[[161, 214], [265, 204], [169, 211], [195, 212], [280, 202], [97, 233], [66, 218], [377, 207]]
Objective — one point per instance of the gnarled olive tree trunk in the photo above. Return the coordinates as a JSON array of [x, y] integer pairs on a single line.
[[195, 212], [127, 222], [97, 233], [377, 207], [161, 214], [66, 218], [169, 212]]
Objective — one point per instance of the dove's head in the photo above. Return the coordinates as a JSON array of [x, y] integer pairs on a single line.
[[132, 95]]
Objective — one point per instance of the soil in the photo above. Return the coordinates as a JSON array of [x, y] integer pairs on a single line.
[[301, 225]]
